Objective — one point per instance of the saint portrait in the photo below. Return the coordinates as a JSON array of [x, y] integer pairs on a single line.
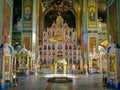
[[92, 15], [27, 14]]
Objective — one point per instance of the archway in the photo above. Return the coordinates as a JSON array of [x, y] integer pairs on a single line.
[[51, 15], [60, 66]]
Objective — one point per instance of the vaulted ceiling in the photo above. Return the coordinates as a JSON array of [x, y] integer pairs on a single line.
[[65, 6], [55, 3]]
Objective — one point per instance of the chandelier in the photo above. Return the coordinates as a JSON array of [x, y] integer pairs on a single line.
[[58, 5]]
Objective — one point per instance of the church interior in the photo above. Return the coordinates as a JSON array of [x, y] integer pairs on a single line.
[[61, 39]]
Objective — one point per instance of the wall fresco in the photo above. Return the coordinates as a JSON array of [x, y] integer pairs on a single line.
[[92, 14]]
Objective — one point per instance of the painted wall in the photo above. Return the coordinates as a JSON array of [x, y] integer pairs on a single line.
[[22, 31], [113, 13], [1, 11], [6, 7]]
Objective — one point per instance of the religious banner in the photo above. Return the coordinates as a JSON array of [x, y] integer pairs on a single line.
[[92, 14]]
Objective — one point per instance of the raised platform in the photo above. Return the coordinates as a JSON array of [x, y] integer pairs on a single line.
[[60, 80], [61, 75]]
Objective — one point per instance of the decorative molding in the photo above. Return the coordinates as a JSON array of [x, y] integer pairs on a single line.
[[109, 2], [92, 31], [10, 2]]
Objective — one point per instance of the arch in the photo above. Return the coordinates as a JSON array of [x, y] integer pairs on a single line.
[[60, 61], [111, 48], [8, 46], [50, 16]]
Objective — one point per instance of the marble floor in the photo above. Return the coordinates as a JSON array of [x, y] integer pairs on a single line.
[[80, 82]]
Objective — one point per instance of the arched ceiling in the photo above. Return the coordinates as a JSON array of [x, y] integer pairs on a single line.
[[63, 6]]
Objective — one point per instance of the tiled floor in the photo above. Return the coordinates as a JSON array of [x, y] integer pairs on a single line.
[[39, 82]]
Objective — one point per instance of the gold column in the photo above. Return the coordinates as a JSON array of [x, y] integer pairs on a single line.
[[39, 7], [34, 29], [79, 23]]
